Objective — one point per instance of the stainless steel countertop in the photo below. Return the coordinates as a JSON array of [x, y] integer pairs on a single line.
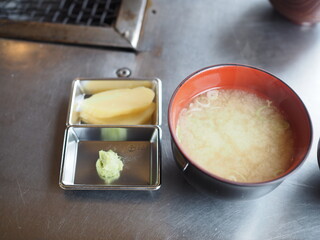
[[179, 38]]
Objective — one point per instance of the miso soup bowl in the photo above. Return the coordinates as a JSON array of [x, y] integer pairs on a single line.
[[233, 76]]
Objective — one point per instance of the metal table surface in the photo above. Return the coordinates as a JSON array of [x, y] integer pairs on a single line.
[[178, 38]]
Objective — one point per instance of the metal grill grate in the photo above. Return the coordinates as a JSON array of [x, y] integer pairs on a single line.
[[80, 12]]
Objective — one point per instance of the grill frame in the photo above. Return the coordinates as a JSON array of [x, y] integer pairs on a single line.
[[123, 33], [99, 13]]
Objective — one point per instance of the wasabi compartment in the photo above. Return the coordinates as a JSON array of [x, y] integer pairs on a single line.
[[139, 148]]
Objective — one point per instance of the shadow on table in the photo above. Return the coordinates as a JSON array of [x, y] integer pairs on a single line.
[[310, 187], [57, 144], [263, 38], [304, 188], [111, 195]]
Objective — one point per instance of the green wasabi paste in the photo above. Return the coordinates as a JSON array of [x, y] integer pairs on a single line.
[[109, 166], [114, 134]]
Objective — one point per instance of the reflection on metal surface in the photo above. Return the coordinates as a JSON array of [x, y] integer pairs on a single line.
[[91, 22], [130, 20], [180, 160], [18, 51]]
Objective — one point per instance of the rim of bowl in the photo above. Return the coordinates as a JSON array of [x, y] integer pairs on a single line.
[[224, 180]]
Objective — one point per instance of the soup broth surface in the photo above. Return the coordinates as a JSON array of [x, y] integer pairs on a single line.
[[236, 135]]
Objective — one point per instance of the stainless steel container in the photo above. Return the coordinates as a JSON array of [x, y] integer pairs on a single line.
[[138, 146], [82, 88]]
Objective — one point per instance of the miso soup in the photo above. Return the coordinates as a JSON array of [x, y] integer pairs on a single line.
[[236, 135]]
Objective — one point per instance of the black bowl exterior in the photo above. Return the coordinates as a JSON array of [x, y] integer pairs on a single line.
[[318, 153], [214, 187]]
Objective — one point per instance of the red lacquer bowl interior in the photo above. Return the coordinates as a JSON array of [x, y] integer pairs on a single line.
[[253, 80]]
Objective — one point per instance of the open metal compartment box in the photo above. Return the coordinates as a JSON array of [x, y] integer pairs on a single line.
[[138, 146]]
